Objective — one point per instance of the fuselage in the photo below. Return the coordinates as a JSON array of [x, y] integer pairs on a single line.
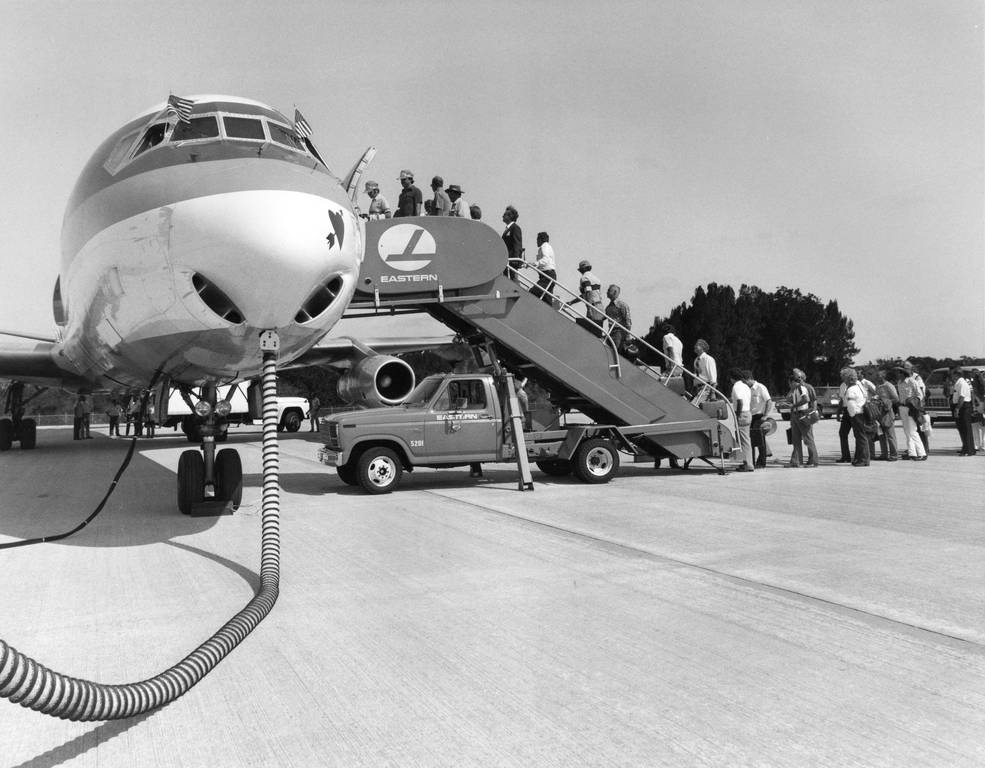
[[179, 248]]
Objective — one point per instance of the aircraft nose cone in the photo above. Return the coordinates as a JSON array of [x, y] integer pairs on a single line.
[[267, 251]]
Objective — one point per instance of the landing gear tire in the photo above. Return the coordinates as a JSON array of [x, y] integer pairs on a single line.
[[291, 422], [29, 433], [596, 461], [555, 467], [6, 434], [229, 476], [348, 474], [378, 470], [191, 480]]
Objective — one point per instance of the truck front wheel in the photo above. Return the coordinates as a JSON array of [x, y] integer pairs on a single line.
[[596, 461], [348, 474], [379, 470]]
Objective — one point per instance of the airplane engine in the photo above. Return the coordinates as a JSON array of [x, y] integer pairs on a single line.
[[377, 380]]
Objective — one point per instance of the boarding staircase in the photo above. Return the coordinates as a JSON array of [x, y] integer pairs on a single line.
[[556, 345]]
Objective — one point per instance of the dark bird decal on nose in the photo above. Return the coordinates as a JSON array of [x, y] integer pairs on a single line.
[[338, 224]]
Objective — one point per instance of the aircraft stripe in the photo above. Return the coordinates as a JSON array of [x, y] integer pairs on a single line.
[[174, 183]]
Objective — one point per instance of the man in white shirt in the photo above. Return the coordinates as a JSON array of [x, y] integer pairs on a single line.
[[741, 403], [546, 268], [760, 406], [673, 348], [853, 397], [706, 368], [911, 395], [961, 397], [459, 207]]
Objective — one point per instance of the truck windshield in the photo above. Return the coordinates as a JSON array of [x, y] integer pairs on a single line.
[[423, 392]]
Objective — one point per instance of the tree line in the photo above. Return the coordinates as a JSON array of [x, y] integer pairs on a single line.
[[767, 332]]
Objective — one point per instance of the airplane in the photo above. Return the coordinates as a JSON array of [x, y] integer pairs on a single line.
[[196, 226]]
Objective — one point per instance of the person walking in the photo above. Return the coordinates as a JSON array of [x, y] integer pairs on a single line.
[[741, 403], [760, 406], [379, 208], [512, 238], [590, 292], [803, 401], [617, 311], [546, 269], [706, 369], [459, 207], [440, 203], [673, 348], [410, 201]]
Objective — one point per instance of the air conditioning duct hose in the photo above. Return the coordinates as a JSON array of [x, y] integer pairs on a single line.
[[30, 684]]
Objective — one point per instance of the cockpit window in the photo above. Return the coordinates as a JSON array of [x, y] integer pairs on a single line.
[[243, 128], [151, 138], [205, 127], [284, 135]]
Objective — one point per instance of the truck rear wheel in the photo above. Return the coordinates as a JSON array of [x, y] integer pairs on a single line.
[[555, 467], [596, 461], [379, 470]]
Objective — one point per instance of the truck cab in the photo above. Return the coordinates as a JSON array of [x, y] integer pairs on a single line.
[[447, 421]]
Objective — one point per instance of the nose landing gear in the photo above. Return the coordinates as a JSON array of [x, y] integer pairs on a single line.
[[209, 483]]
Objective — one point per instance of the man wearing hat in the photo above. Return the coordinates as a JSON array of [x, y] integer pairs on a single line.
[[441, 204], [379, 208], [459, 207], [590, 289], [410, 201]]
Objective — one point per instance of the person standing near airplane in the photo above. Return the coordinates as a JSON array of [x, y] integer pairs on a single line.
[[475, 212], [441, 203], [113, 412], [379, 208], [741, 402], [759, 406], [314, 404], [410, 201], [513, 238], [86, 418], [78, 413], [459, 207]]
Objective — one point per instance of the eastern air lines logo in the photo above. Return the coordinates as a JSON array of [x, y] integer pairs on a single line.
[[407, 248]]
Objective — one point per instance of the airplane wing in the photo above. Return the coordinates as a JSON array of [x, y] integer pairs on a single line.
[[37, 364], [343, 351]]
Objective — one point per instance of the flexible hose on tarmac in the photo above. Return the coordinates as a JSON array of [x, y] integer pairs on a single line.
[[30, 684]]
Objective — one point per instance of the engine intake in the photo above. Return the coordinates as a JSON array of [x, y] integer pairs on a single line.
[[377, 380]]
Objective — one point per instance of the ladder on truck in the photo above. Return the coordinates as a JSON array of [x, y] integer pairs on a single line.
[[548, 339]]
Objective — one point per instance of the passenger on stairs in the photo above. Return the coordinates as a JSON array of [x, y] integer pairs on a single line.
[[618, 312], [546, 268]]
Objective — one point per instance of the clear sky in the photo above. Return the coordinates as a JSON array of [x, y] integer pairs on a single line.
[[834, 146]]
